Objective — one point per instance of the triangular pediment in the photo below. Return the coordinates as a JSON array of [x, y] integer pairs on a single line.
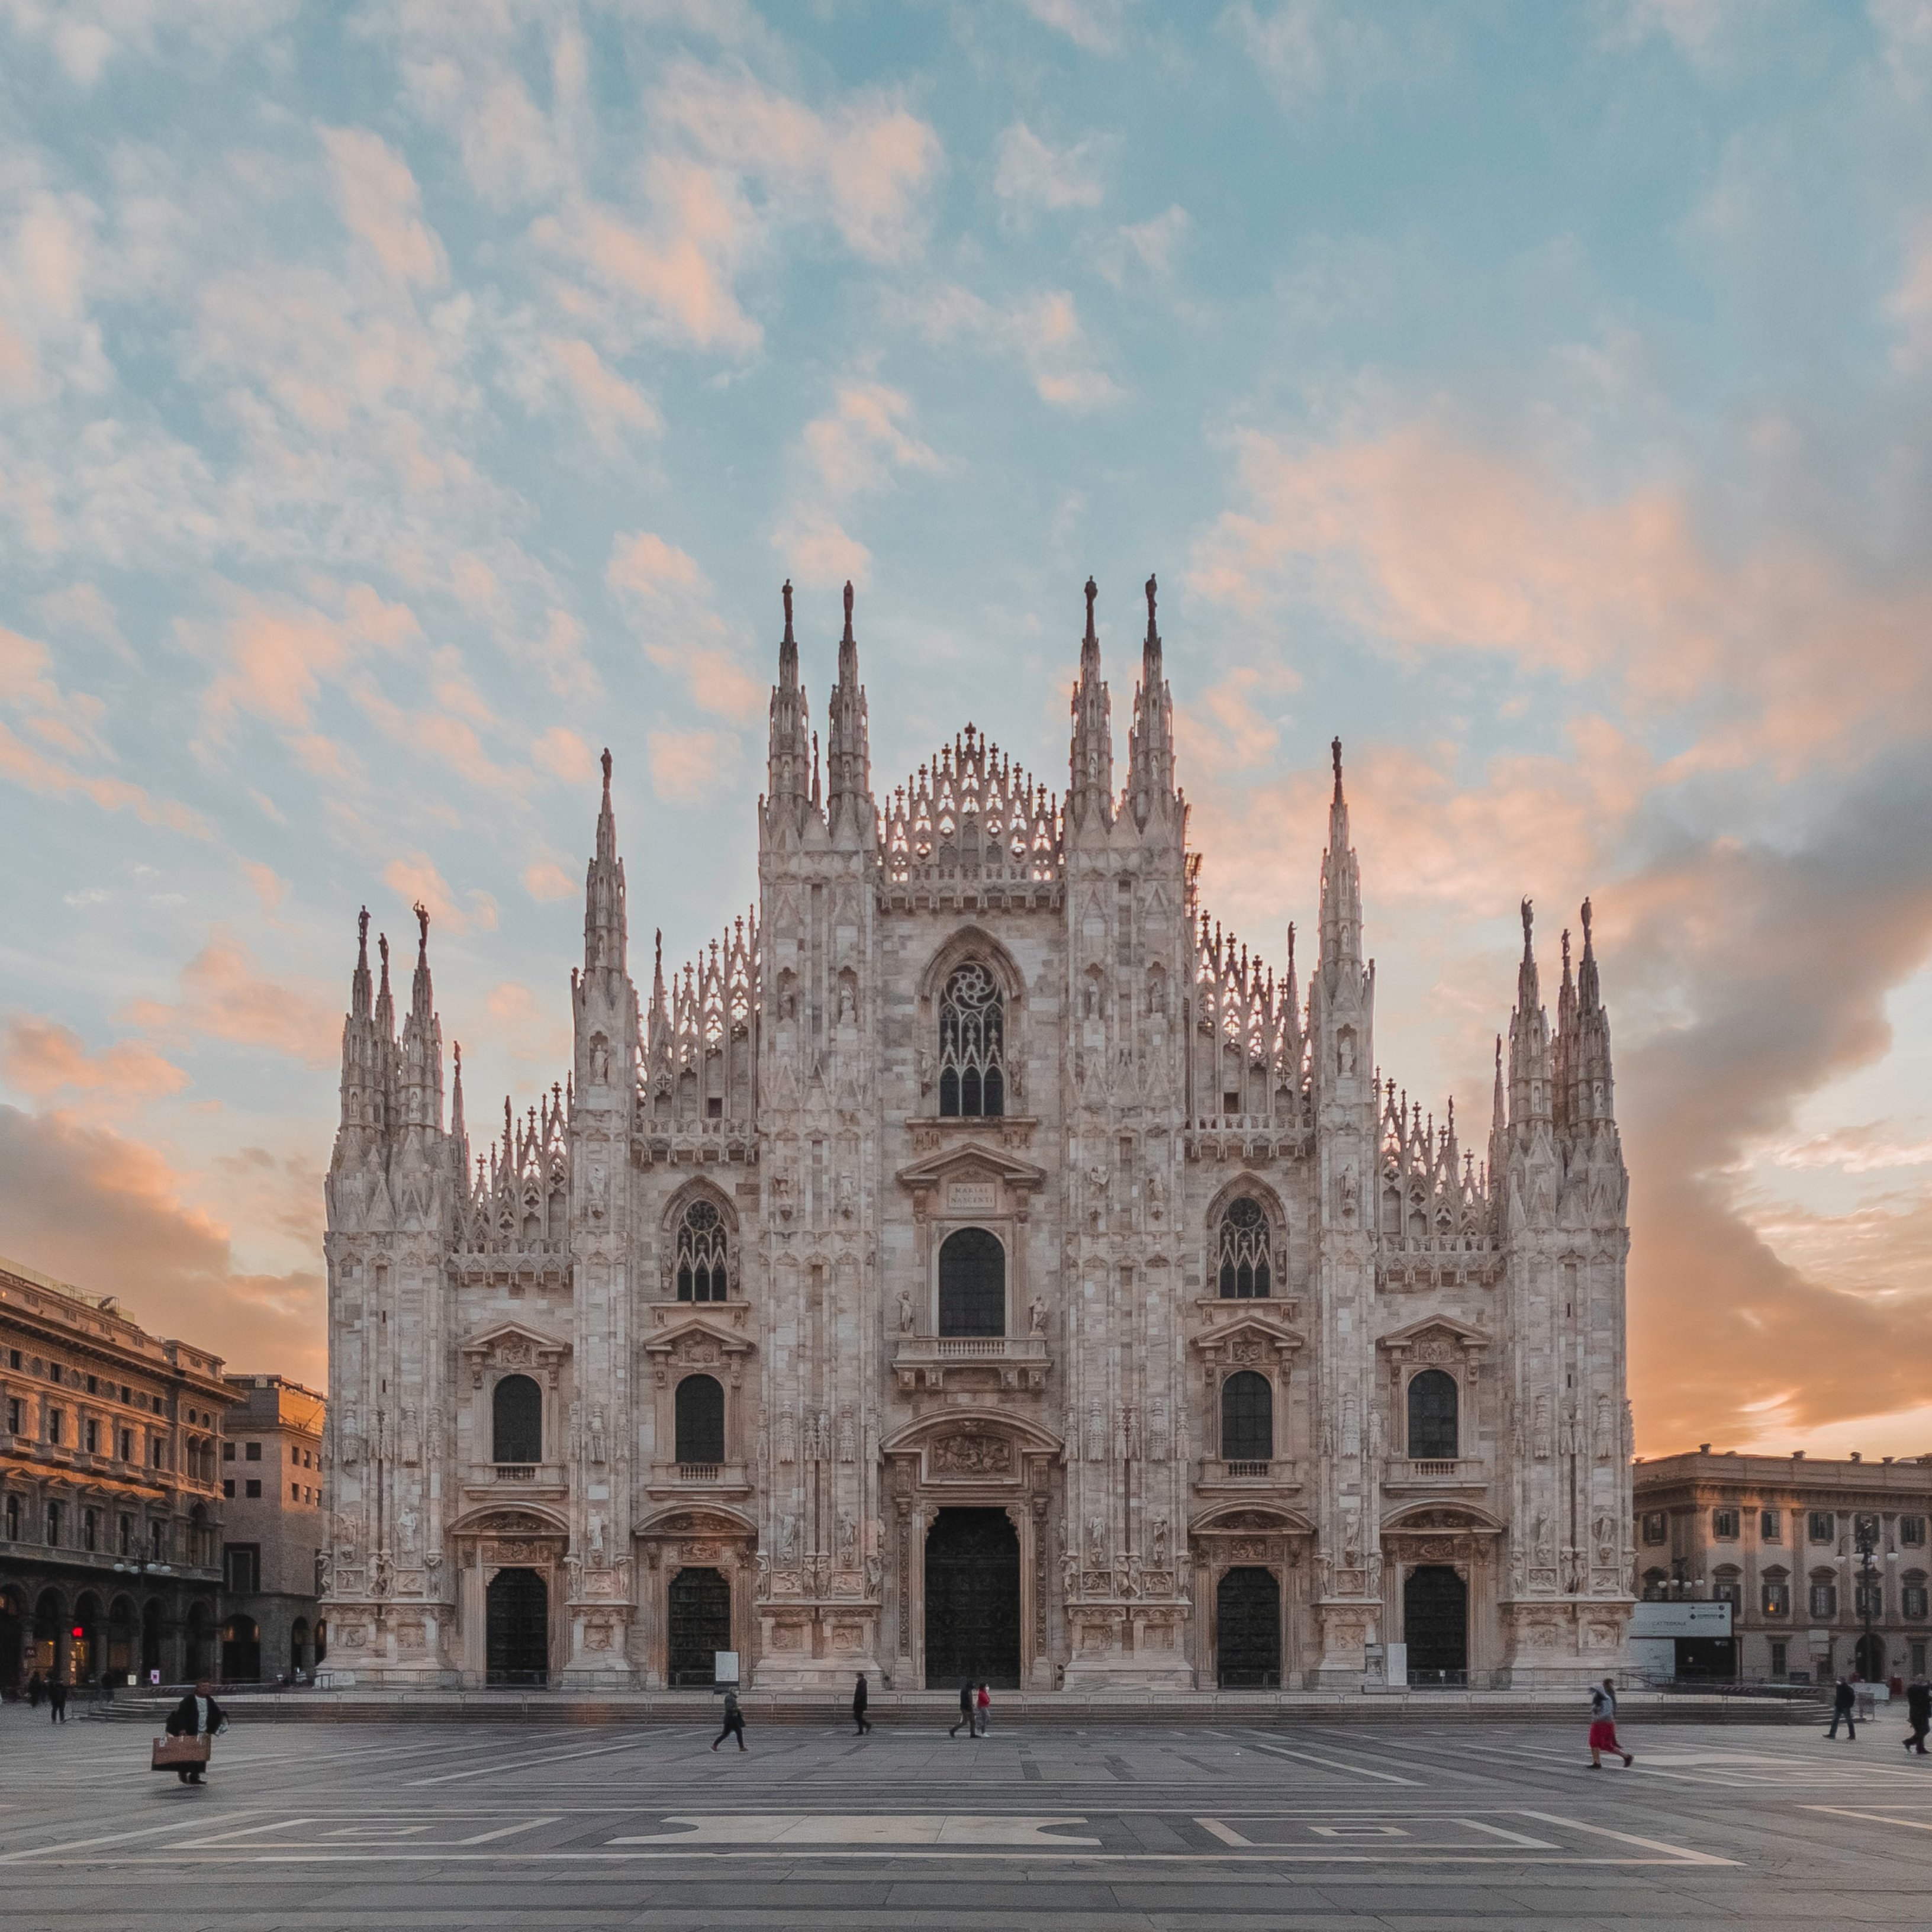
[[507, 1340], [1250, 1329], [698, 1325], [1445, 1329], [968, 1160]]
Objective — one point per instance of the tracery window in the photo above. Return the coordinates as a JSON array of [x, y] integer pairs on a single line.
[[703, 1254], [972, 1045], [1245, 1272]]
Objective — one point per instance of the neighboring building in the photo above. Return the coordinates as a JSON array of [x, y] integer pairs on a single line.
[[977, 1260], [272, 1492], [1778, 1537], [110, 1503]]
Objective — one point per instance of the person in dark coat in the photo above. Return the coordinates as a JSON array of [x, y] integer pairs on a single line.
[[1918, 1708], [197, 1715], [36, 1684], [734, 1722], [860, 1696], [57, 1700], [965, 1708], [1844, 1702]]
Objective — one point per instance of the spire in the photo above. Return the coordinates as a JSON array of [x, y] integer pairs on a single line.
[[848, 762], [360, 1059], [1341, 881], [1529, 1057], [385, 1006], [1150, 743], [1591, 1086], [604, 930], [786, 779], [420, 1082], [1090, 791], [459, 1132], [358, 984], [657, 1033]]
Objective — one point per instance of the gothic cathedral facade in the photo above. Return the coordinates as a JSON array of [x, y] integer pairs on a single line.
[[977, 1264]]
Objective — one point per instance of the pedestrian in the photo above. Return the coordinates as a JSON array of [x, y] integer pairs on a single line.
[[965, 1708], [36, 1684], [1844, 1702], [57, 1700], [859, 1698], [734, 1722], [986, 1703], [1918, 1708], [197, 1715], [1603, 1727]]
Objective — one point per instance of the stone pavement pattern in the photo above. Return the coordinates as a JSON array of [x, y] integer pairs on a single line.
[[1444, 1826]]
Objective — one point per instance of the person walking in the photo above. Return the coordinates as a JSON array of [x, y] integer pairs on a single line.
[[985, 1708], [1844, 1702], [57, 1700], [860, 1696], [36, 1684], [734, 1722], [1918, 1708], [1603, 1727], [965, 1708], [197, 1715]]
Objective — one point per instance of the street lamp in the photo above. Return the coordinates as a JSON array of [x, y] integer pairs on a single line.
[[1865, 1542]]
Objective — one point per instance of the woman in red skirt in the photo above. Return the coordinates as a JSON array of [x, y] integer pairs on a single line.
[[1603, 1727]]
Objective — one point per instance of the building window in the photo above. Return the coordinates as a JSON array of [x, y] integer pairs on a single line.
[[53, 1526], [1777, 1653], [124, 1540], [158, 1542], [56, 1425], [254, 1487], [154, 1451], [1726, 1589], [1824, 1598], [1770, 1526], [1247, 1418], [241, 1567], [127, 1445], [1776, 1597], [13, 1519], [53, 1371], [1432, 1402], [228, 1452], [1724, 1525], [13, 1412], [91, 1434], [1244, 1270], [295, 1492], [972, 1283], [516, 1415], [1656, 1527], [700, 1419], [703, 1255], [228, 1488], [1868, 1601], [90, 1529], [1912, 1598], [295, 1455], [1912, 1532], [252, 1452], [1824, 1526], [972, 1045]]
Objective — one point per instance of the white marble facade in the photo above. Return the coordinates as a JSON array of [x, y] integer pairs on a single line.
[[975, 1259]]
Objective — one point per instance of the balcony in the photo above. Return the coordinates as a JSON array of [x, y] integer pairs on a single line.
[[1243, 1478], [673, 1480], [494, 1482], [1434, 1475], [1013, 1362]]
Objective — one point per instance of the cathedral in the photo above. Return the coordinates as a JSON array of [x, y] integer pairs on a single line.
[[976, 1263]]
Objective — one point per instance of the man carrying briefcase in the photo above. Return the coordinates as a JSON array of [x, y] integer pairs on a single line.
[[192, 1726]]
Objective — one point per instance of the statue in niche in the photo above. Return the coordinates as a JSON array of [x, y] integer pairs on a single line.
[[1096, 1548], [1036, 1319], [848, 1010], [848, 1540], [597, 1435], [787, 1540], [1160, 1543], [1344, 1051], [847, 1195], [905, 1312], [597, 1539], [600, 1060]]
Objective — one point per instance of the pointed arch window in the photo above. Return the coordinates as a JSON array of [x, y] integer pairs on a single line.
[[1243, 1254], [972, 1045], [703, 1254]]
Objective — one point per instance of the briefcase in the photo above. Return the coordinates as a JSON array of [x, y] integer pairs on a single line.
[[180, 1753]]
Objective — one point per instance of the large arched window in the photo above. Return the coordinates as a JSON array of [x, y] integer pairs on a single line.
[[972, 1284], [700, 1419], [1243, 1256], [1431, 1417], [972, 1044], [1247, 1418], [517, 1412], [703, 1254]]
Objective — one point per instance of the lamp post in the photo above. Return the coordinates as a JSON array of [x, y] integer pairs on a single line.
[[140, 1568], [1865, 1542]]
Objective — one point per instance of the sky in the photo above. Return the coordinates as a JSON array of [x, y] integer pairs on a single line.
[[398, 404]]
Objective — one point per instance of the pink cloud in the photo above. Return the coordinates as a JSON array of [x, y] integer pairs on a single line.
[[381, 205], [42, 1058], [224, 995], [416, 878]]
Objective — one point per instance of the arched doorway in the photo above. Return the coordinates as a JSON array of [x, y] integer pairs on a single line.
[[516, 1627], [13, 1643], [299, 1659], [123, 1622], [1247, 1630], [1435, 1624], [50, 1626], [1869, 1658], [241, 1650], [200, 1642], [972, 1599], [84, 1639], [700, 1626], [151, 1639]]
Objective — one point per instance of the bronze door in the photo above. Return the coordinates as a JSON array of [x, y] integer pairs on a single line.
[[700, 1625], [972, 1599], [517, 1642]]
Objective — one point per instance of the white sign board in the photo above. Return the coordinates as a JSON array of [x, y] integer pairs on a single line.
[[1675, 1620], [1398, 1666], [725, 1667]]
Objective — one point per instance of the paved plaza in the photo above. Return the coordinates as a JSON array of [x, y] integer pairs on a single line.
[[1442, 1825]]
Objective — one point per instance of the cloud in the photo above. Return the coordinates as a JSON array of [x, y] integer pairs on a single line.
[[1042, 332], [84, 35], [1031, 174], [42, 1058], [608, 403], [1904, 29], [381, 205], [544, 880], [269, 887], [90, 1206], [667, 597], [1093, 25], [1153, 244], [1910, 305], [415, 880], [688, 767], [224, 995], [1872, 1148], [50, 342], [1303, 49], [528, 1028]]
